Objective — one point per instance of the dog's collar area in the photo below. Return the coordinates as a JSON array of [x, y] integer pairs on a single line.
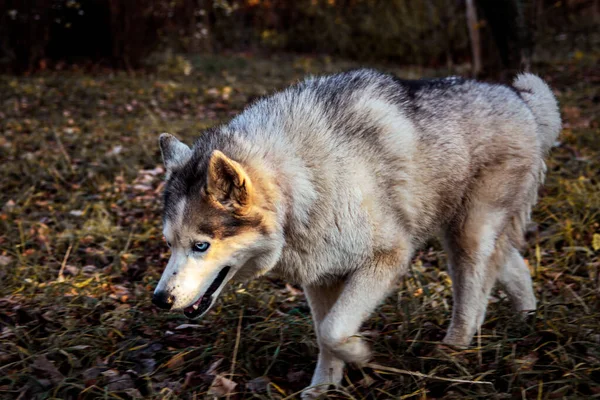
[[206, 300]]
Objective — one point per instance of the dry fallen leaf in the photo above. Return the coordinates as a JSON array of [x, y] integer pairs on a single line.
[[42, 364], [176, 361], [221, 386], [71, 270], [79, 347], [117, 383], [5, 260], [596, 241], [134, 393], [185, 326], [9, 205], [527, 362], [366, 381], [292, 290], [259, 385], [296, 376], [212, 370]]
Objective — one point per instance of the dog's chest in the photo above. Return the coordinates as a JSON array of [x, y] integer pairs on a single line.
[[306, 263]]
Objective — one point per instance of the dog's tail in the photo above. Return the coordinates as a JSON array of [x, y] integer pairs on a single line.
[[538, 96]]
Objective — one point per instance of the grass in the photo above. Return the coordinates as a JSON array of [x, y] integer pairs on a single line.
[[81, 251]]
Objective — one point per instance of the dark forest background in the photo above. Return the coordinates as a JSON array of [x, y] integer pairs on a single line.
[[39, 34]]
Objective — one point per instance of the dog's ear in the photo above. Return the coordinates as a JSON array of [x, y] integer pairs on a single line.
[[174, 152], [228, 182]]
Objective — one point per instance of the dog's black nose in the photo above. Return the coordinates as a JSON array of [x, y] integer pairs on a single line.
[[163, 300]]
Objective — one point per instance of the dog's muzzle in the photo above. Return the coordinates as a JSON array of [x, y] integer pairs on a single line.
[[202, 305]]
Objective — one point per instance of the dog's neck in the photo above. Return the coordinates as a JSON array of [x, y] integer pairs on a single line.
[[283, 181]]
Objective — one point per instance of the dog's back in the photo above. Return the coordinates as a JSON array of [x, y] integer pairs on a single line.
[[400, 155]]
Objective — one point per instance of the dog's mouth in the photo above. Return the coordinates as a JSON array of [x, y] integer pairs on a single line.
[[202, 305]]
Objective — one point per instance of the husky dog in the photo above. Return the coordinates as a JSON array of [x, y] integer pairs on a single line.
[[334, 182]]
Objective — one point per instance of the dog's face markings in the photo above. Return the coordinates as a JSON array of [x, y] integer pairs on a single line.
[[212, 226]]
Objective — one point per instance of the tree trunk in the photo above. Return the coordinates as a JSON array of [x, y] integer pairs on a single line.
[[208, 9], [474, 35]]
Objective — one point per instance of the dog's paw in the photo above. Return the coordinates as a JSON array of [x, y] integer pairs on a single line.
[[459, 336], [314, 392], [352, 350]]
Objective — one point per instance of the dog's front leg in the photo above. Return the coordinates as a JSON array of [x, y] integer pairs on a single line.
[[330, 369], [363, 290], [338, 332], [339, 310]]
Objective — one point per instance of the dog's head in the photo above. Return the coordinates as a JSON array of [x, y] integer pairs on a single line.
[[219, 222]]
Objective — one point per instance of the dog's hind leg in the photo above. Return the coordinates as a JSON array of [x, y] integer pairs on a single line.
[[330, 369], [474, 255], [363, 290], [515, 278]]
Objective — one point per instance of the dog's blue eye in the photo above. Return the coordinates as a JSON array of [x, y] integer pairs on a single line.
[[201, 247]]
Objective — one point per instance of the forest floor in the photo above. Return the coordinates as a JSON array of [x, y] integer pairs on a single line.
[[81, 251]]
